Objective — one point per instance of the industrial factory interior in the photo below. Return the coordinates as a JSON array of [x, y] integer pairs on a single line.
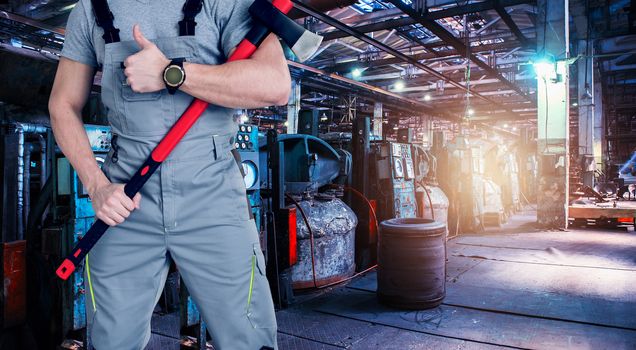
[[419, 174]]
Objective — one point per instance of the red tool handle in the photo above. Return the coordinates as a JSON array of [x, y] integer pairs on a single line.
[[244, 50]]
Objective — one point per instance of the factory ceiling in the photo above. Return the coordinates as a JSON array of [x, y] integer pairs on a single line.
[[442, 58]]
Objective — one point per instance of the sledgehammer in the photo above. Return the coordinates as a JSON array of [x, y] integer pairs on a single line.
[[268, 18]]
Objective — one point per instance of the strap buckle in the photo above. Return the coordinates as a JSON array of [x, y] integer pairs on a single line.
[[191, 8]]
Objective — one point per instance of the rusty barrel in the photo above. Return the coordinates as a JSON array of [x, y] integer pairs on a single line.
[[412, 263]]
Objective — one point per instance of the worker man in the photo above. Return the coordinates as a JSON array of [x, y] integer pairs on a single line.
[[193, 210]]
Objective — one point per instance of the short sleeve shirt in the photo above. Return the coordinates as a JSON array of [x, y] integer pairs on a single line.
[[224, 23]]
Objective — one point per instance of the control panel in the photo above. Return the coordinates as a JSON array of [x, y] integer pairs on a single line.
[[247, 138], [403, 170]]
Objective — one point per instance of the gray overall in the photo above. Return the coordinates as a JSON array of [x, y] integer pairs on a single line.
[[193, 210]]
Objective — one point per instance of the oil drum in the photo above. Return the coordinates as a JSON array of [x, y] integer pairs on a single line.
[[412, 263]]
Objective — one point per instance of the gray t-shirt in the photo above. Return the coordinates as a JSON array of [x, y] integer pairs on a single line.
[[224, 22]]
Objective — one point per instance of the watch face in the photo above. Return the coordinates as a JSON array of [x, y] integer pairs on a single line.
[[173, 75]]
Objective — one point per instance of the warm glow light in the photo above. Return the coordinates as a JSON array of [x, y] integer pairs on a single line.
[[427, 97], [505, 126], [399, 85], [471, 111]]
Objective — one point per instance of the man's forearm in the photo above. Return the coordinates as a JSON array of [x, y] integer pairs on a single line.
[[252, 83], [71, 137]]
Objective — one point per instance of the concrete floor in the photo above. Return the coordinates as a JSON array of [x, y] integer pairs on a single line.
[[513, 287]]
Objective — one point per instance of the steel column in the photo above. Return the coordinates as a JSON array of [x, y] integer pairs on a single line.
[[553, 114], [293, 107], [586, 100]]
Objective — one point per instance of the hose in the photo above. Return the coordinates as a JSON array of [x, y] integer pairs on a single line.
[[431, 202]]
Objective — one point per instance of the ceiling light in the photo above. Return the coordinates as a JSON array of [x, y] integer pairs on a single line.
[[471, 111], [427, 97], [356, 73], [396, 127], [286, 124], [514, 128], [505, 126], [575, 104], [323, 117], [399, 85]]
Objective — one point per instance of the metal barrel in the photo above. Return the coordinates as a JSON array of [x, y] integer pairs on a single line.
[[412, 263]]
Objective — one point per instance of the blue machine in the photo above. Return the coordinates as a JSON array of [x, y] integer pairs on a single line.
[[81, 219]]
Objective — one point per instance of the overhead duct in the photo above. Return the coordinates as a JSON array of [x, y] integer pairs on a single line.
[[320, 5]]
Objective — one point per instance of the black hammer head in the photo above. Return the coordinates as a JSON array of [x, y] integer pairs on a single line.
[[301, 41]]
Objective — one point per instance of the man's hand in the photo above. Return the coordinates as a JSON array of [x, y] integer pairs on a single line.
[[144, 70], [111, 205]]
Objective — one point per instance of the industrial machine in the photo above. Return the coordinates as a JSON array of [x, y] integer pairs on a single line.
[[395, 188], [310, 231], [25, 154]]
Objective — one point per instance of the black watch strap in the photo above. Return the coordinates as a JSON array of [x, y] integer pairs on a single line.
[[172, 89]]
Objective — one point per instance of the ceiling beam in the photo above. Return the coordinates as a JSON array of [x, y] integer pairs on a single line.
[[433, 15], [449, 38], [505, 16], [371, 41], [347, 66]]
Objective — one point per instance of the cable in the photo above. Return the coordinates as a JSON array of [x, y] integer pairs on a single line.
[[348, 278], [359, 194], [311, 236]]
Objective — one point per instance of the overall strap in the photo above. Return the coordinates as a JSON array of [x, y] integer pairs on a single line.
[[104, 18], [191, 9]]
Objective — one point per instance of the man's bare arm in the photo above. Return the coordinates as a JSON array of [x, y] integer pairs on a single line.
[[70, 92], [261, 80]]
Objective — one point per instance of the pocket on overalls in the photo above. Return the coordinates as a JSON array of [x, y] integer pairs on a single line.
[[150, 113], [260, 308], [140, 109]]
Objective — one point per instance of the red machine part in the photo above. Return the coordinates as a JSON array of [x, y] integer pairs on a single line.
[[13, 257], [293, 231]]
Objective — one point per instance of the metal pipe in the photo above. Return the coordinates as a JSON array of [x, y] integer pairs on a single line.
[[20, 206], [26, 181], [22, 129], [43, 160]]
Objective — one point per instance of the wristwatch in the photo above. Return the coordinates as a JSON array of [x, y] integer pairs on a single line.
[[174, 75]]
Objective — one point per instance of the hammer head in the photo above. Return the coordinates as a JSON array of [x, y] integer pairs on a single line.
[[301, 41]]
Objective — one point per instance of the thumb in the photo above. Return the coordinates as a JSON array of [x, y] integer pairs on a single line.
[[140, 38]]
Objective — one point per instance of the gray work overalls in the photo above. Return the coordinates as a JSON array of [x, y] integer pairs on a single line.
[[193, 210]]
